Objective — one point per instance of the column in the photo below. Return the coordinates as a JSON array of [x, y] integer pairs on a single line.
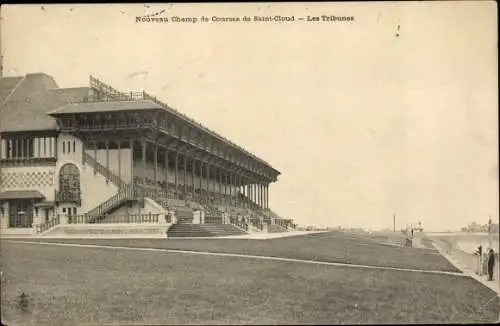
[[4, 219], [230, 188], [225, 183], [82, 141], [261, 195], [192, 177], [156, 164], [107, 161], [177, 172], [201, 178], [185, 174], [267, 196], [21, 139], [219, 186], [250, 194], [95, 155], [254, 193], [244, 190], [238, 188], [119, 162], [53, 142], [247, 190], [144, 166], [264, 195], [166, 170], [35, 148], [257, 194], [208, 177], [131, 144], [2, 149]]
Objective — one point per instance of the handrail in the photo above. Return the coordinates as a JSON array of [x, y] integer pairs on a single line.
[[158, 195], [48, 224], [242, 224], [257, 223], [127, 193], [107, 173]]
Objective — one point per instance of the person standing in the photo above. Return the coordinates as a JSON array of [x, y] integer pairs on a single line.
[[480, 260], [491, 264]]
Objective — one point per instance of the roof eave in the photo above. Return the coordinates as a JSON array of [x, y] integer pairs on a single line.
[[14, 131]]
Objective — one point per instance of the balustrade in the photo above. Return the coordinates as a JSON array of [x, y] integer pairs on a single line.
[[48, 224], [117, 219]]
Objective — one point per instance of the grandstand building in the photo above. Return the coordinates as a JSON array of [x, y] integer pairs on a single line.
[[94, 155]]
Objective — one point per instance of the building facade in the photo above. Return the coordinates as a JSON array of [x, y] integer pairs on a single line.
[[91, 154]]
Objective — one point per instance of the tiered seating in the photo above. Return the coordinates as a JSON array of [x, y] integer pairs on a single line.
[[212, 213], [214, 204]]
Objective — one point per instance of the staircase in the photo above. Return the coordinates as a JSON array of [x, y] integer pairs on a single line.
[[183, 230], [105, 172], [110, 205], [125, 192], [184, 215], [49, 225], [212, 214]]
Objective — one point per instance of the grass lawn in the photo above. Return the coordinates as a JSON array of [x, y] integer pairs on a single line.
[[72, 286], [330, 247]]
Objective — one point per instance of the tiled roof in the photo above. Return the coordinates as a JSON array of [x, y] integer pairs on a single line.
[[36, 94], [21, 194], [7, 85], [105, 106]]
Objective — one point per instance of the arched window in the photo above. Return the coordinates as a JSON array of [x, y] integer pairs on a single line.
[[69, 182]]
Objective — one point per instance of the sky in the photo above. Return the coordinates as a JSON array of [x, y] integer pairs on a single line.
[[363, 119]]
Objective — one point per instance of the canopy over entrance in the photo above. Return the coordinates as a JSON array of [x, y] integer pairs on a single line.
[[21, 194]]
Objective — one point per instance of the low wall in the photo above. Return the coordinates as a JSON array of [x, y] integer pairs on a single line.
[[451, 246]]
